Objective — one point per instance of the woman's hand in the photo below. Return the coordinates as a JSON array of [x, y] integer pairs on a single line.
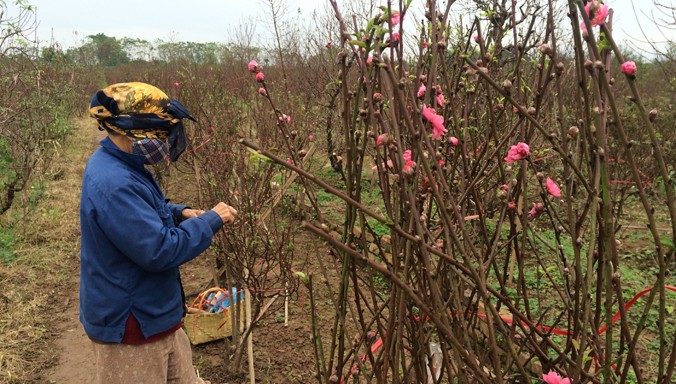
[[190, 213], [226, 212]]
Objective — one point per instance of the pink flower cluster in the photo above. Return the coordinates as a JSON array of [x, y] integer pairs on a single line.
[[554, 378], [408, 166], [517, 152], [437, 122], [258, 70], [597, 13], [552, 188]]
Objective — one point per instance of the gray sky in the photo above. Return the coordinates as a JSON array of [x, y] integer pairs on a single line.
[[69, 21], [199, 20]]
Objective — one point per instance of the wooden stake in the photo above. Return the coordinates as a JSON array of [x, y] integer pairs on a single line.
[[286, 305], [249, 340]]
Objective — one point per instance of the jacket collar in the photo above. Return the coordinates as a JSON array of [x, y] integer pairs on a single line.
[[136, 161]]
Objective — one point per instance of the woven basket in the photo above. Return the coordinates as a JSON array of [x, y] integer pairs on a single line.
[[203, 327]]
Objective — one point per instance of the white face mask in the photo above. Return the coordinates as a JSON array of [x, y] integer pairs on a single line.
[[155, 151]]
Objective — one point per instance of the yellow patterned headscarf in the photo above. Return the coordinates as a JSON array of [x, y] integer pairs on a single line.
[[140, 111]]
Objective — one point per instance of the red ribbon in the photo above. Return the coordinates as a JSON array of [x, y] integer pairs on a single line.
[[555, 331]]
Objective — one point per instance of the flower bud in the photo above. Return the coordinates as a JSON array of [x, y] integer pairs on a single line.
[[507, 86], [573, 131], [588, 65]]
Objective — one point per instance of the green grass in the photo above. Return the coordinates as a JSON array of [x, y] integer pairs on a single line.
[[7, 254]]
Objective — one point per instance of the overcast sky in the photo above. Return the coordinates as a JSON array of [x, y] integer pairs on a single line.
[[197, 20], [69, 21]]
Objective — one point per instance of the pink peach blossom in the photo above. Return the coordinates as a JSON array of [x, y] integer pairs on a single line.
[[552, 188], [262, 91], [629, 68], [329, 44], [440, 99], [260, 77], [395, 18], [310, 137], [425, 44], [421, 91], [517, 152], [395, 36], [408, 166], [382, 139], [554, 378], [437, 122], [476, 38], [596, 11], [177, 84], [454, 141], [253, 66], [504, 187], [536, 211]]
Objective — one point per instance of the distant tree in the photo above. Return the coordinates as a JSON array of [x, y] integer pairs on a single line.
[[52, 53], [138, 49], [83, 55], [108, 50]]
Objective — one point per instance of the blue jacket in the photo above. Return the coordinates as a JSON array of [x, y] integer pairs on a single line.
[[131, 249]]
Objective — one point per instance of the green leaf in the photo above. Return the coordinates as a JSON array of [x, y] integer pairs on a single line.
[[302, 276], [667, 242], [358, 43], [369, 26]]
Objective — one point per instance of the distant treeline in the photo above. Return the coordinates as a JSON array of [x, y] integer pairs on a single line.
[[109, 51]]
